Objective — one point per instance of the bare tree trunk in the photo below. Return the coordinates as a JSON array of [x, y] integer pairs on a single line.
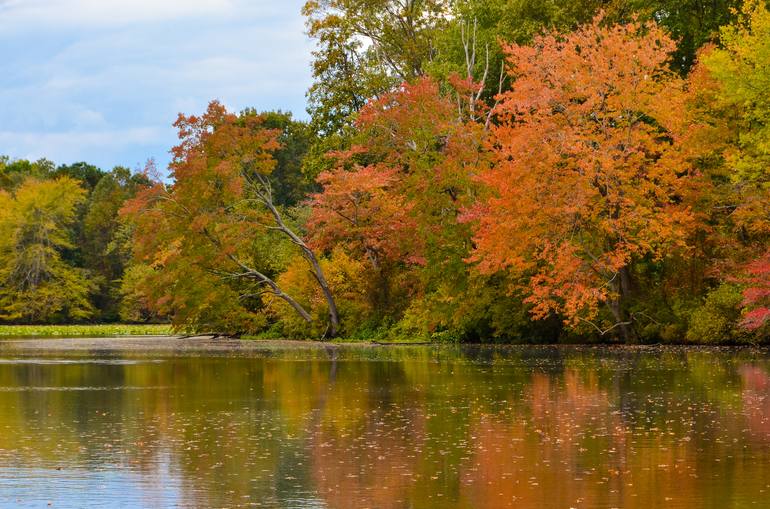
[[252, 273], [297, 307], [615, 306], [264, 193]]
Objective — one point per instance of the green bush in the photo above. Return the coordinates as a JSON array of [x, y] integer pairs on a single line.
[[716, 320]]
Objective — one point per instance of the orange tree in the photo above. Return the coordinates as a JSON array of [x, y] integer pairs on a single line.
[[214, 236], [582, 187]]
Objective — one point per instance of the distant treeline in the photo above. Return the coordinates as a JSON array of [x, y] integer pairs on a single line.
[[482, 170]]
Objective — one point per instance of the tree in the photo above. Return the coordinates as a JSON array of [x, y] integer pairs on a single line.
[[740, 70], [358, 206], [218, 222], [482, 27], [581, 188], [348, 280], [692, 23], [14, 172], [757, 296], [394, 199], [733, 136], [365, 48], [36, 284], [102, 253], [87, 174], [290, 184], [369, 47]]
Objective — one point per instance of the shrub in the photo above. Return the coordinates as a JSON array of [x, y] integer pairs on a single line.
[[717, 320]]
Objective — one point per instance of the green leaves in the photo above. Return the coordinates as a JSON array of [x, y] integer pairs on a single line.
[[36, 284], [742, 69]]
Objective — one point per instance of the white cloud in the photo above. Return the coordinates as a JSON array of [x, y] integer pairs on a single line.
[[86, 118], [104, 85], [67, 13]]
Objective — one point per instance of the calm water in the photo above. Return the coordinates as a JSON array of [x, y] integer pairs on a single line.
[[389, 428]]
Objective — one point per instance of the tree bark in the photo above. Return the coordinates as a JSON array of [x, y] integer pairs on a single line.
[[621, 286], [265, 196]]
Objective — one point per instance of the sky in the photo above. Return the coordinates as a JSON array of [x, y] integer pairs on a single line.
[[102, 81]]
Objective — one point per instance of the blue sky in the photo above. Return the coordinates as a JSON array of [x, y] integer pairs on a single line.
[[103, 80]]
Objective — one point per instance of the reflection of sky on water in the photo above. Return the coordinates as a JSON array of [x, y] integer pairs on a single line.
[[76, 488]]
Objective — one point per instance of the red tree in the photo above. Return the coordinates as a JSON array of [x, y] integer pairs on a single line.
[[757, 296]]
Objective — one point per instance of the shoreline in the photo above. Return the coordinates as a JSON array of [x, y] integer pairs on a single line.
[[150, 344], [166, 344]]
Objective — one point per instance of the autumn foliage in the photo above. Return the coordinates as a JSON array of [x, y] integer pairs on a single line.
[[211, 237], [358, 205], [586, 197], [36, 284], [757, 295], [589, 176], [582, 186]]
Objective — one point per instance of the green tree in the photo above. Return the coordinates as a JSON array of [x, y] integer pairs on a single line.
[[14, 172], [290, 184], [365, 47], [87, 174], [36, 284], [692, 23], [102, 253]]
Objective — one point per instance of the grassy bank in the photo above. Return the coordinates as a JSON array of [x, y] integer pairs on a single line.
[[100, 330]]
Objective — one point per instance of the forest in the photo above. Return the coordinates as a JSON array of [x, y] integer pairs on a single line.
[[471, 171]]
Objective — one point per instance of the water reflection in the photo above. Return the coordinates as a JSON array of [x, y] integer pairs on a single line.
[[389, 428]]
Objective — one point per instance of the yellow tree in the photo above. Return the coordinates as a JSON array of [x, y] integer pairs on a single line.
[[36, 284]]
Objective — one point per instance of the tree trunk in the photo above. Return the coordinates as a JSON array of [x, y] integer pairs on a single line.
[[615, 306], [621, 286], [274, 288], [297, 307], [265, 196], [334, 319]]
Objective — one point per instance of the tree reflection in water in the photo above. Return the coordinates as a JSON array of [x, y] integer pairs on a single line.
[[391, 428]]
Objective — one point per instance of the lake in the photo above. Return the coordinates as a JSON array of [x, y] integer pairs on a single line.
[[386, 427]]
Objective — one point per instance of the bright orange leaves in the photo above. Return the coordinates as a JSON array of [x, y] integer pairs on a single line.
[[359, 205], [582, 184]]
